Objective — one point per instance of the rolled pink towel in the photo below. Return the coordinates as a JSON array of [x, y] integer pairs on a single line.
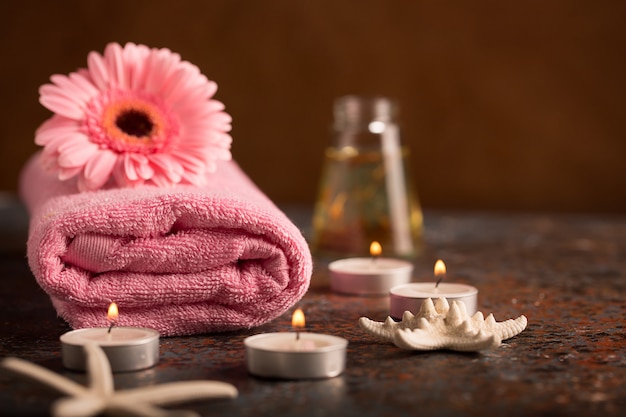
[[182, 260]]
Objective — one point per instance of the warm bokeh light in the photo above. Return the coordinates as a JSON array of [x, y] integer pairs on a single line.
[[440, 268], [376, 126], [297, 320], [375, 249], [337, 207], [113, 313]]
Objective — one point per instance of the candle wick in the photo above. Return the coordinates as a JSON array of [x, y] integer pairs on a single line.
[[439, 280], [297, 335], [111, 326]]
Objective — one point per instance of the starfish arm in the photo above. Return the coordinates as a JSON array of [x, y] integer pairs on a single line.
[[512, 327], [123, 408], [406, 339], [44, 376], [177, 392], [415, 340], [82, 406], [100, 375], [377, 329]]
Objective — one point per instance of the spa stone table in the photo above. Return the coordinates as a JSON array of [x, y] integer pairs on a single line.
[[565, 273]]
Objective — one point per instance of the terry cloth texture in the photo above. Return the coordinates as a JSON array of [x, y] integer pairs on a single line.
[[182, 260]]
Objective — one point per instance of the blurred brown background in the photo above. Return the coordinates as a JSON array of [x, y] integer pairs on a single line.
[[505, 105]]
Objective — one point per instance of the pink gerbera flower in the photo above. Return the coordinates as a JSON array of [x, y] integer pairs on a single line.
[[137, 115]]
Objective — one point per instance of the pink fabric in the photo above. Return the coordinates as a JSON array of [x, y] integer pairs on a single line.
[[182, 260]]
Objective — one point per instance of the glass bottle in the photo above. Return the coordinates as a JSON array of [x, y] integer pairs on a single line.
[[365, 191]]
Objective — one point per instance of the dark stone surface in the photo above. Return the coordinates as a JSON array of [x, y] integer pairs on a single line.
[[565, 273]]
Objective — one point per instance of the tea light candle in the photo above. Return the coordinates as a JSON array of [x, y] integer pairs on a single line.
[[295, 355], [369, 276], [409, 297], [127, 348]]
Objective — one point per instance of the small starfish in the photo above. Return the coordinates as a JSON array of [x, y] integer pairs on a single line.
[[100, 397], [441, 326]]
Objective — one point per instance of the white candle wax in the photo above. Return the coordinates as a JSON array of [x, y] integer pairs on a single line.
[[127, 348], [283, 355], [368, 276], [409, 297]]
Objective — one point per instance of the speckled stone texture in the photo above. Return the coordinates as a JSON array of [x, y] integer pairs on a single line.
[[565, 273]]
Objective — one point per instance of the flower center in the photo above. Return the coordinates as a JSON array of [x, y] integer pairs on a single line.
[[135, 123], [126, 121]]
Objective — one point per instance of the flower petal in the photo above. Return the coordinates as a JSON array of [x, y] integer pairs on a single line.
[[189, 162], [64, 143], [98, 70], [154, 73], [98, 169], [65, 86], [48, 91], [115, 64], [60, 143], [135, 58], [129, 168], [54, 127], [67, 173], [220, 120], [195, 178], [161, 180], [141, 165], [82, 82], [77, 156], [164, 65], [120, 177], [76, 85], [170, 167], [185, 77], [212, 88], [62, 105], [145, 171]]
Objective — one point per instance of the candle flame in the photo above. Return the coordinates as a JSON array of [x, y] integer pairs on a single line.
[[297, 320], [113, 313], [440, 271], [375, 249], [440, 268]]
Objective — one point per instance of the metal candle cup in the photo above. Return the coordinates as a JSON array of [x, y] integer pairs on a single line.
[[409, 297], [127, 348], [288, 356]]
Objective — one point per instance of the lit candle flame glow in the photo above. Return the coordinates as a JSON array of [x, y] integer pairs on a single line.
[[440, 271], [440, 268], [113, 313], [297, 320], [375, 249]]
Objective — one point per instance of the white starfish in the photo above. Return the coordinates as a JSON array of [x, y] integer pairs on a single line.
[[441, 326], [100, 397]]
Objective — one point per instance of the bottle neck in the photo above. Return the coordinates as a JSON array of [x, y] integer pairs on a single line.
[[364, 121]]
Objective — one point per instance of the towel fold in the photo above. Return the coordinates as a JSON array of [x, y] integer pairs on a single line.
[[182, 260]]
